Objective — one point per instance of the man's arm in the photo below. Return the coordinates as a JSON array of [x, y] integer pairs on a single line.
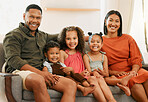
[[12, 49]]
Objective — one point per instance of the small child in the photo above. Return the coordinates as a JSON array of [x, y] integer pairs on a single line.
[[95, 60], [97, 63], [52, 64]]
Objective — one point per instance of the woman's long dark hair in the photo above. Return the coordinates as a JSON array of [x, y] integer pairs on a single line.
[[119, 15]]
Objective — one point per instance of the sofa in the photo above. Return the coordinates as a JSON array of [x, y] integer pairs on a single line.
[[12, 84]]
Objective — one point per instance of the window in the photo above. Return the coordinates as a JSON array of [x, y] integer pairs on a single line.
[[145, 14], [137, 27]]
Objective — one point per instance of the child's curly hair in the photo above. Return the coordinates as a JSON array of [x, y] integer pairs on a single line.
[[50, 44], [81, 43]]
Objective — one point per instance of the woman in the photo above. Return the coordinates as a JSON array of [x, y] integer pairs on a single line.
[[124, 57]]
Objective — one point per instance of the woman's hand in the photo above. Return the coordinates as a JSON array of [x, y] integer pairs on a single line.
[[121, 73], [133, 73]]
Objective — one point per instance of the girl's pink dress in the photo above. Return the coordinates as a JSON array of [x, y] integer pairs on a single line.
[[75, 61]]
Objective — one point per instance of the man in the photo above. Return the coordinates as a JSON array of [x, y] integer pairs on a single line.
[[24, 56]]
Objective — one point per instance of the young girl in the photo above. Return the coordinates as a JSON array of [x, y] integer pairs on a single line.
[[53, 65], [72, 45], [96, 62]]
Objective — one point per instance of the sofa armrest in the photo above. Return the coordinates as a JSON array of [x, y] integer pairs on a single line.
[[13, 87], [145, 66]]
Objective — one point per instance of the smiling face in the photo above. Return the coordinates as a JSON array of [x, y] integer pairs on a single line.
[[71, 39], [53, 54], [95, 43], [113, 23], [33, 19]]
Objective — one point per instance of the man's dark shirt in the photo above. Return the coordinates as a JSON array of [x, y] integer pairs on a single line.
[[22, 48]]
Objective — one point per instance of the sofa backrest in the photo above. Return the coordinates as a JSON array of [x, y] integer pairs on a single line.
[[2, 59]]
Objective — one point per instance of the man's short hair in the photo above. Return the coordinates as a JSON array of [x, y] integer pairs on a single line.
[[33, 6]]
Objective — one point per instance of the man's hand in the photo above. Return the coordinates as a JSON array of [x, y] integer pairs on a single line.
[[50, 79]]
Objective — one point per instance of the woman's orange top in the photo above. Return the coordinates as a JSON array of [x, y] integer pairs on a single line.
[[123, 52]]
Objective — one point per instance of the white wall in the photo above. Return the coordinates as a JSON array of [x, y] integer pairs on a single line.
[[55, 21], [11, 13], [125, 7]]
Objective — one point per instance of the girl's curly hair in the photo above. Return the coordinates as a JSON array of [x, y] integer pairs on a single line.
[[81, 43]]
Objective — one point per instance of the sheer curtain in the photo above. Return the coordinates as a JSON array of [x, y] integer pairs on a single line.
[[11, 13], [145, 14], [137, 28]]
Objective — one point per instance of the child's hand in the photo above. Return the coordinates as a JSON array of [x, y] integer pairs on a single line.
[[96, 74], [67, 70], [101, 72]]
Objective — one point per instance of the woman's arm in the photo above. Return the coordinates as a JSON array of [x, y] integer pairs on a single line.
[[86, 38], [135, 69], [135, 55], [117, 73]]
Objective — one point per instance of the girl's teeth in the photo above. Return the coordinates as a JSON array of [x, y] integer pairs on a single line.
[[113, 27], [54, 59], [33, 25], [95, 47]]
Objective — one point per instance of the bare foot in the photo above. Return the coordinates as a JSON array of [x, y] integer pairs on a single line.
[[88, 90], [125, 89], [125, 79]]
